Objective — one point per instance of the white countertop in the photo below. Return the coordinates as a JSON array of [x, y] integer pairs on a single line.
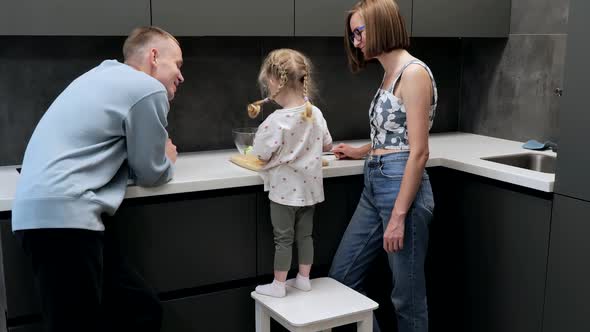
[[209, 170]]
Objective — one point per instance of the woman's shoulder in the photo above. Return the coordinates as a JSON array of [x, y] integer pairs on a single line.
[[416, 72], [416, 79], [416, 67]]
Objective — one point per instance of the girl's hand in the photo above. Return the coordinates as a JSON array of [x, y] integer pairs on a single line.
[[343, 151]]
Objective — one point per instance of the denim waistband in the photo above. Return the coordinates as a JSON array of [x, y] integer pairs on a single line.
[[377, 160]]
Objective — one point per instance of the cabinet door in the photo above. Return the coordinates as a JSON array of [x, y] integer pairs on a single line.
[[21, 298], [506, 234], [190, 240], [406, 8], [568, 272], [224, 17], [330, 221], [487, 255], [572, 176], [4, 220], [327, 17], [26, 328], [73, 17], [175, 242], [461, 18], [228, 311]]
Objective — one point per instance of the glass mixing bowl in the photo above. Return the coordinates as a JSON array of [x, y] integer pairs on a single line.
[[244, 138]]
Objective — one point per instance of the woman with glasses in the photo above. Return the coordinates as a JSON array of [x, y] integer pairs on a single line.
[[396, 205]]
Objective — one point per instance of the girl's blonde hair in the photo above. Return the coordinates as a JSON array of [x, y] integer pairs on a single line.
[[292, 70]]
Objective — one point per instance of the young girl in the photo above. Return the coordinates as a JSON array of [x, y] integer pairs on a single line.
[[290, 142]]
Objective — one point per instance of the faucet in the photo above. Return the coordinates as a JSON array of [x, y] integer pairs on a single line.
[[551, 145]]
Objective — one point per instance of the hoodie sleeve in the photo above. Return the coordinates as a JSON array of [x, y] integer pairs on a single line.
[[146, 136]]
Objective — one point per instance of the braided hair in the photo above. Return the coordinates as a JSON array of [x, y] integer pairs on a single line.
[[292, 70]]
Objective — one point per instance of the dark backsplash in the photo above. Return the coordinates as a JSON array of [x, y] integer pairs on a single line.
[[501, 87], [220, 80], [508, 84]]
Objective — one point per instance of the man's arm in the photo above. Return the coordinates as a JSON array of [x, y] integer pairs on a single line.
[[145, 130]]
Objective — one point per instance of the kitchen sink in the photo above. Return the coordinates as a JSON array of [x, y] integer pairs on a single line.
[[533, 161]]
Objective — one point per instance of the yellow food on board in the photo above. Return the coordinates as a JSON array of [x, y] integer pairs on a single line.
[[252, 163], [247, 161]]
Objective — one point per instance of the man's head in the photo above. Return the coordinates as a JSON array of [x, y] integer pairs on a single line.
[[157, 53]]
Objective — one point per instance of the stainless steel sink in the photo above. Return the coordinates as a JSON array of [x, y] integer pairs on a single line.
[[533, 161]]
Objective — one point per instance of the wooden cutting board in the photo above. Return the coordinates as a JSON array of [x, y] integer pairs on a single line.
[[247, 161], [250, 162]]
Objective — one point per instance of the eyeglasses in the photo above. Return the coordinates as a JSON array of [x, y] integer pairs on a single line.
[[357, 34]]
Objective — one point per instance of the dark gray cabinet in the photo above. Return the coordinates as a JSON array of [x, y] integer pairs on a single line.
[[200, 251], [568, 273], [228, 311], [461, 18], [27, 328], [330, 221], [505, 255], [224, 17], [73, 17], [176, 242], [21, 298], [4, 220], [568, 289], [192, 240], [572, 177], [204, 252], [432, 18], [488, 254], [327, 17]]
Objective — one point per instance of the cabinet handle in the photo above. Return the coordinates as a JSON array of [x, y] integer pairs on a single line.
[[558, 92]]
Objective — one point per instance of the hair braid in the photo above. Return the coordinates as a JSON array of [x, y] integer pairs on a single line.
[[255, 107], [282, 73], [308, 106]]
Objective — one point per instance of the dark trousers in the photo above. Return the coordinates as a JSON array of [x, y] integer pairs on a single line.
[[85, 284]]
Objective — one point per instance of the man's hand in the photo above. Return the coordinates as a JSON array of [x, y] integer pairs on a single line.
[[171, 151]]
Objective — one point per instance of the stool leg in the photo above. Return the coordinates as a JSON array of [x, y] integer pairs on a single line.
[[365, 325], [262, 319]]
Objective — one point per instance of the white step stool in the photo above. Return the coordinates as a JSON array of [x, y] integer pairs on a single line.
[[327, 305]]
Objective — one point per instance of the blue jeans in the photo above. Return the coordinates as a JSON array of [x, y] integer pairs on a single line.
[[363, 240]]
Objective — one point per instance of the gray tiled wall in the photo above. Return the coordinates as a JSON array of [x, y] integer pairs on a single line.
[[496, 87], [220, 78], [539, 16], [508, 84], [33, 71]]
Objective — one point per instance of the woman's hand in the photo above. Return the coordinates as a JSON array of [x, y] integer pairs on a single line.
[[393, 237], [342, 151]]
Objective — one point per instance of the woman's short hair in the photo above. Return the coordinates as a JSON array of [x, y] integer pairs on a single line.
[[385, 31]]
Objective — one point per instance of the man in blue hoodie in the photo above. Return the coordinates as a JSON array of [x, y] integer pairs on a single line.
[[107, 126]]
